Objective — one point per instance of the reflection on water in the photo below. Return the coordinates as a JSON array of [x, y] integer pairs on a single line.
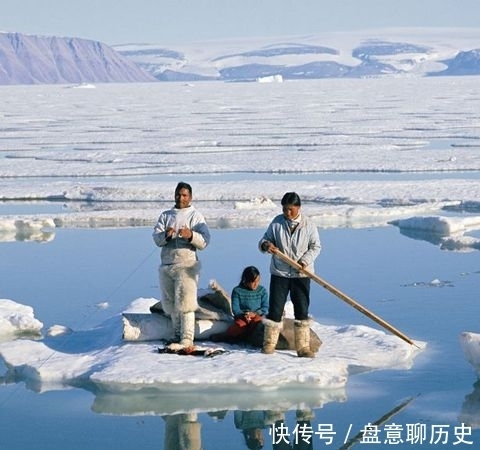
[[165, 402], [23, 235], [183, 431], [258, 427], [470, 413], [252, 423], [64, 278]]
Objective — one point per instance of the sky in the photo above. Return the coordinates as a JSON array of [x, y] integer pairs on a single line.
[[187, 21]]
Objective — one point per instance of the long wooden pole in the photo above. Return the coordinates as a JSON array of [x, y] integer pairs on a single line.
[[344, 297]]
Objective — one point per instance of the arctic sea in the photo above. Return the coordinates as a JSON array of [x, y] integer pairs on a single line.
[[85, 173], [427, 293]]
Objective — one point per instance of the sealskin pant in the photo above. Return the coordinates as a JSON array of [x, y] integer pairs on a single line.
[[299, 290]]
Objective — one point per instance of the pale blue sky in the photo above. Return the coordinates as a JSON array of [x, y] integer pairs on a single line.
[[185, 21]]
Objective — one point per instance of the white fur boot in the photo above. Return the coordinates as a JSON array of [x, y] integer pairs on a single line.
[[187, 329], [302, 339], [270, 335]]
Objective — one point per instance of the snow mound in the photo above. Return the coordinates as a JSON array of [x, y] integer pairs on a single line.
[[438, 224], [17, 319]]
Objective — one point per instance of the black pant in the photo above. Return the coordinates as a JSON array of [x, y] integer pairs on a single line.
[[299, 289]]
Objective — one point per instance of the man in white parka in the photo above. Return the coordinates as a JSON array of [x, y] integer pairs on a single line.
[[180, 232]]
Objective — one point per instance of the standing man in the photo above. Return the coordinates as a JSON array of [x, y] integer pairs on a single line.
[[296, 236], [180, 232]]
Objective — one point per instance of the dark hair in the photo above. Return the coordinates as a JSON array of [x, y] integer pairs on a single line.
[[183, 185], [249, 274], [291, 198]]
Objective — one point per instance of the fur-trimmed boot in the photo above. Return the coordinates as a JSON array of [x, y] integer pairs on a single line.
[[304, 415], [302, 339], [270, 335], [187, 328]]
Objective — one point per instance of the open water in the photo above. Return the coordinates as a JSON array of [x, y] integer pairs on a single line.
[[429, 294]]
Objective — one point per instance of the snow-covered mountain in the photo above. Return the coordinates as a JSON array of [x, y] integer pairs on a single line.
[[26, 59], [370, 53]]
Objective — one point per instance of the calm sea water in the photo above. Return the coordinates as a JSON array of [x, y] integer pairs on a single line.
[[387, 272]]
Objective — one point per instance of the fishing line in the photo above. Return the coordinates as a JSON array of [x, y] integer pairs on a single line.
[[89, 316], [130, 275], [62, 345]]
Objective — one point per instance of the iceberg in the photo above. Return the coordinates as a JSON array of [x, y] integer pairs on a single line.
[[270, 79], [101, 361], [470, 343]]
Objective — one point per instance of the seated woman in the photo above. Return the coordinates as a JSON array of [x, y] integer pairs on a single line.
[[249, 305]]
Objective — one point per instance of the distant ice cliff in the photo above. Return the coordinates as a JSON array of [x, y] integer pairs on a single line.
[[26, 59]]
